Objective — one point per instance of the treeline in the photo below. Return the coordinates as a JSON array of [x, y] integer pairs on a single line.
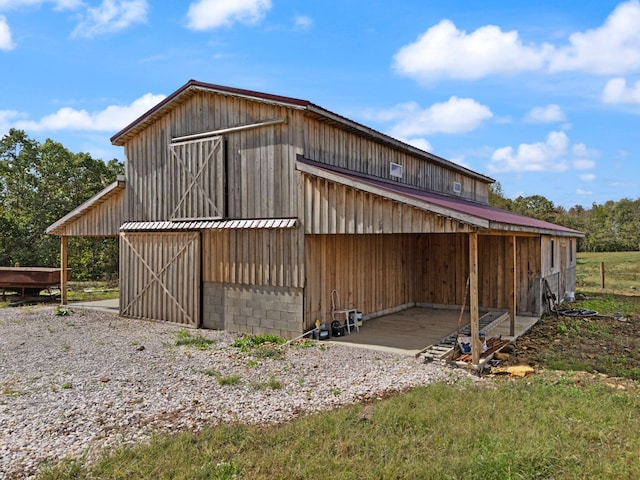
[[39, 184], [610, 227]]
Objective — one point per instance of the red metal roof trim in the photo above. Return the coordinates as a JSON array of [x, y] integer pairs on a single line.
[[487, 212]]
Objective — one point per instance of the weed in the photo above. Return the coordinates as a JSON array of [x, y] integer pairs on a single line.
[[62, 311], [304, 343], [227, 380], [9, 390], [336, 392], [247, 342], [273, 383], [66, 386], [211, 372], [66, 347], [251, 363], [198, 341]]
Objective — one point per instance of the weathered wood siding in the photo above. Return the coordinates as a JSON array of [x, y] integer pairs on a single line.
[[102, 220], [334, 208], [371, 272], [160, 276], [558, 264], [375, 273], [260, 173], [265, 257], [529, 275], [197, 168], [443, 268], [326, 143]]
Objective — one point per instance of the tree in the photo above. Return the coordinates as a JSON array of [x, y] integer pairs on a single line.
[[40, 183]]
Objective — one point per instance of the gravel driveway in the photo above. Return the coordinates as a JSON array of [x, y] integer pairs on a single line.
[[75, 384]]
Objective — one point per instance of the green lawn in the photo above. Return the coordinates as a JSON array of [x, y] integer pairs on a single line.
[[530, 429]]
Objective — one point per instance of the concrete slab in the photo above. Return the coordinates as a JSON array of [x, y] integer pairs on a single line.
[[410, 331]]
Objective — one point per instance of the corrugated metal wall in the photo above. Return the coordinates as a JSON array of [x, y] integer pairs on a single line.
[[160, 276]]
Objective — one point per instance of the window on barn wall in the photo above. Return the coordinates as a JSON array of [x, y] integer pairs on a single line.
[[198, 176], [553, 248], [570, 252]]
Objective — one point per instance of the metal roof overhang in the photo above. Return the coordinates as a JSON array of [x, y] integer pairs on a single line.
[[116, 188], [195, 225], [484, 217]]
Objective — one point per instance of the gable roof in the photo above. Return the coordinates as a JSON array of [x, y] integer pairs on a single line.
[[193, 86], [479, 215]]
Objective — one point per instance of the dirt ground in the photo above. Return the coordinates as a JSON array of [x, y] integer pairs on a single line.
[[606, 347]]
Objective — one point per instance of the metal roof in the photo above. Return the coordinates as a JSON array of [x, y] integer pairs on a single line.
[[167, 226], [477, 214]]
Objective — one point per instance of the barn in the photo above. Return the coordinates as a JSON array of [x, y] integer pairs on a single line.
[[243, 211]]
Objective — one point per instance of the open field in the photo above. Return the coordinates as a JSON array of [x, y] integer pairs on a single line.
[[622, 272]]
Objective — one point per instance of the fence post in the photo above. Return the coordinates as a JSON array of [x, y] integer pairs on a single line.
[[601, 274]]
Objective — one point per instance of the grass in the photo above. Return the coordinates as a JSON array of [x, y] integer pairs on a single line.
[[622, 271], [185, 338], [535, 429]]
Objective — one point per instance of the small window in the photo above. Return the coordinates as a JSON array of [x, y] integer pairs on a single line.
[[457, 188], [571, 252], [553, 248], [396, 170]]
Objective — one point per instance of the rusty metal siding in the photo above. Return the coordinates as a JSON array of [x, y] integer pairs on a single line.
[[160, 276]]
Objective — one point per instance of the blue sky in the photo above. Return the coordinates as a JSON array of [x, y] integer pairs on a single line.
[[542, 96]]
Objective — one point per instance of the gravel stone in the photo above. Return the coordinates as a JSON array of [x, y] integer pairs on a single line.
[[75, 385]]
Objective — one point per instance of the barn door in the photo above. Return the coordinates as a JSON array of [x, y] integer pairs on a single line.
[[160, 276], [198, 178]]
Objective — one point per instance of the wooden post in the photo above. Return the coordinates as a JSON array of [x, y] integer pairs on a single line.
[[514, 285], [601, 274], [63, 270], [473, 298]]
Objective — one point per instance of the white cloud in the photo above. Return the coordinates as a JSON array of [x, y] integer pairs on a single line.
[[421, 143], [581, 191], [114, 117], [209, 14], [555, 154], [549, 114], [5, 35], [302, 23], [587, 177], [456, 115], [617, 92], [111, 16], [444, 51], [613, 48]]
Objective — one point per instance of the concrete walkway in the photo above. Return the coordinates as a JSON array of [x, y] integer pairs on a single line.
[[112, 305]]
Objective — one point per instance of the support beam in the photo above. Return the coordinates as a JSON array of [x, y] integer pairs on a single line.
[[473, 298], [63, 270], [514, 285]]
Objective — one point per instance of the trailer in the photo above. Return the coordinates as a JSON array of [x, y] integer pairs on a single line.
[[29, 281]]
